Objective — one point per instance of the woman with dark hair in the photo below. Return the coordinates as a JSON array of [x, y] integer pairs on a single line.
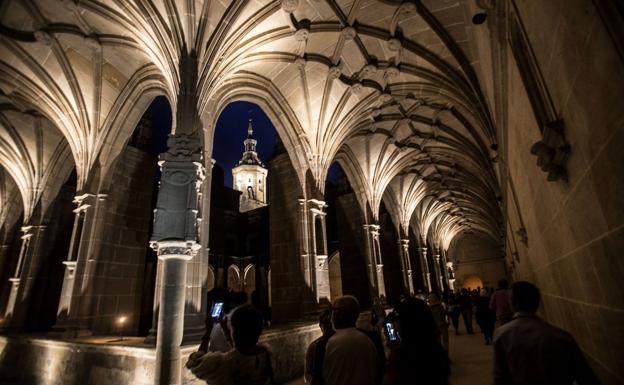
[[419, 358]]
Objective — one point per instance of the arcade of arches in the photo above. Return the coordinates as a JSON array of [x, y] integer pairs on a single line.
[[423, 145]]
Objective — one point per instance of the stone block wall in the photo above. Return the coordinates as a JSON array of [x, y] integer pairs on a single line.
[[575, 229], [123, 242], [34, 361], [291, 296], [475, 254]]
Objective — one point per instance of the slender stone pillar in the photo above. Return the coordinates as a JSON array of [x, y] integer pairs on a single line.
[[29, 269], [305, 260], [318, 249], [75, 306], [425, 269], [15, 280], [443, 266], [175, 238], [174, 256], [375, 265], [439, 273], [25, 274], [197, 272], [72, 256], [406, 264], [451, 275]]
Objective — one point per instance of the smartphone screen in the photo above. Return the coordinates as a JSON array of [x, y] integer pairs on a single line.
[[217, 308], [392, 335]]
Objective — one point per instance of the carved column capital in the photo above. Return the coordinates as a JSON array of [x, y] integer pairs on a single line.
[[175, 249]]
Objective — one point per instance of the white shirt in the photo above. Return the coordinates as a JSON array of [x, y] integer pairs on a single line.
[[350, 358]]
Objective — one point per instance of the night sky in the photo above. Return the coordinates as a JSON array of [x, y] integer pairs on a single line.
[[230, 133]]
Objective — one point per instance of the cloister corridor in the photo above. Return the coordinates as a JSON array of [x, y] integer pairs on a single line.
[[187, 188]]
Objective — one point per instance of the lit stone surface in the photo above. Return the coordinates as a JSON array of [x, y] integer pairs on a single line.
[[493, 147], [37, 361]]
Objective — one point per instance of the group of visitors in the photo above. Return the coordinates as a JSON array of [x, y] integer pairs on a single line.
[[490, 308], [409, 345]]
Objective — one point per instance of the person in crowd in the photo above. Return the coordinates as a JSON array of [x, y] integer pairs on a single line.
[[454, 311], [247, 364], [313, 368], [439, 315], [216, 337], [466, 304], [530, 351], [419, 358], [485, 316], [350, 355], [501, 304]]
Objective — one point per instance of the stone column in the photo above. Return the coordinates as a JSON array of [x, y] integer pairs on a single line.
[[26, 273], [74, 312], [175, 238], [375, 265], [318, 249], [443, 266], [451, 275], [72, 256], [438, 272], [197, 272], [15, 279], [406, 263], [174, 256], [425, 269], [305, 260]]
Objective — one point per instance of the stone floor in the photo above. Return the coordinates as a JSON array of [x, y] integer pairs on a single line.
[[471, 360]]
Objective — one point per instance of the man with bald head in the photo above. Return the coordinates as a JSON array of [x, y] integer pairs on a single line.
[[350, 355]]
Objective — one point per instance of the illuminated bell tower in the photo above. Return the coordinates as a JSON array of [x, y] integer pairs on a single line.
[[249, 176]]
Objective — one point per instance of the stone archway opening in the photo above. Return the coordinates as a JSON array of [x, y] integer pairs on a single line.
[[244, 139], [345, 239]]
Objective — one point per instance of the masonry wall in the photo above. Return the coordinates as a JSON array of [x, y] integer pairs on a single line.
[[575, 229], [124, 239], [33, 361], [476, 255], [291, 297]]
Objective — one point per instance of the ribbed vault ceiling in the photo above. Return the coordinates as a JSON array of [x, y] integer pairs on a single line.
[[390, 89]]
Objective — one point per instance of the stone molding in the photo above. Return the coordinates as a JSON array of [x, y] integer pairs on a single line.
[[175, 249], [553, 150]]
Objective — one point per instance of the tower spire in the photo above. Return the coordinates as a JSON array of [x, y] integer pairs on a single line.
[[250, 129]]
